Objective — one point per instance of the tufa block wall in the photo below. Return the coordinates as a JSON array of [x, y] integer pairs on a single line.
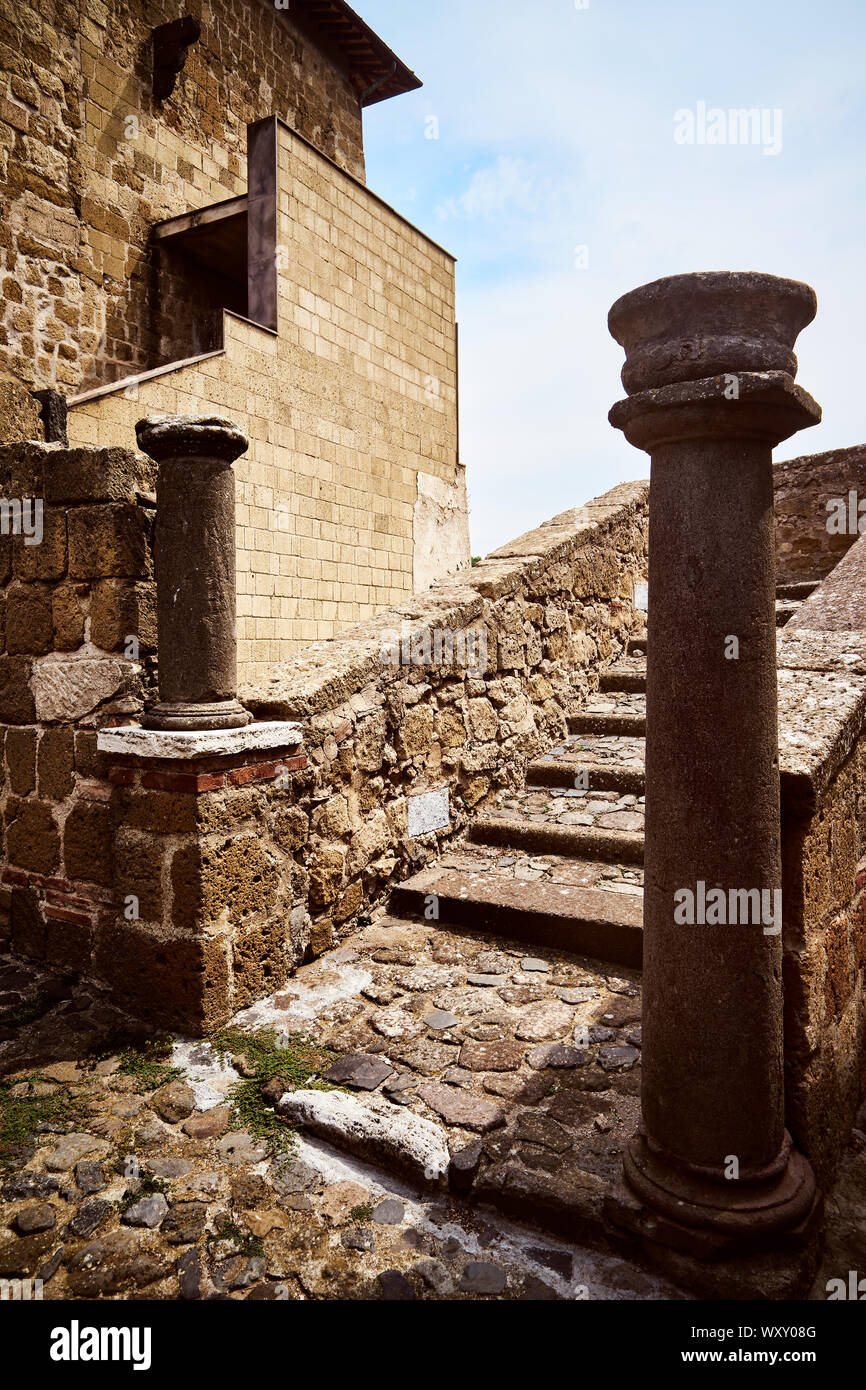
[[351, 412], [88, 163], [822, 748], [68, 607], [805, 550]]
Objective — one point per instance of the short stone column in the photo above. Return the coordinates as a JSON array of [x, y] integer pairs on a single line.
[[195, 571], [713, 1175]]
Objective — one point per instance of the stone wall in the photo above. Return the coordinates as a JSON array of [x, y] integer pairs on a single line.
[[350, 409], [822, 749], [72, 609], [242, 864], [89, 162], [805, 549]]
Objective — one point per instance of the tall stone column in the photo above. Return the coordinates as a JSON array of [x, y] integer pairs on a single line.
[[710, 370], [195, 571]]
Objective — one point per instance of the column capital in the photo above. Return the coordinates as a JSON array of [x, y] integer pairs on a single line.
[[190, 436], [766, 407], [689, 327]]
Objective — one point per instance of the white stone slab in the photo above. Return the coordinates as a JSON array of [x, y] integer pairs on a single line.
[[428, 811], [640, 597], [198, 743]]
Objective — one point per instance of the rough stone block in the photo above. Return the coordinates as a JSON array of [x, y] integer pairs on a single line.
[[32, 837], [87, 842], [108, 541], [176, 982], [88, 475], [19, 413], [21, 760], [138, 868], [56, 763], [67, 613], [120, 609], [29, 623], [28, 930], [17, 705], [47, 559]]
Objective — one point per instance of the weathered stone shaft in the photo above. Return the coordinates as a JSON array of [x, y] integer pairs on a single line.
[[708, 363], [712, 1030], [195, 571]]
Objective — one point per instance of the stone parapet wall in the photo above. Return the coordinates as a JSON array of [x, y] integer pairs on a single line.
[[805, 549], [822, 751]]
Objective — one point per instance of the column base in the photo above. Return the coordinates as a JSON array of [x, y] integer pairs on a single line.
[[758, 1236], [216, 714]]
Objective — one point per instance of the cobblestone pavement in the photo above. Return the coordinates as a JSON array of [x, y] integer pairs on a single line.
[[125, 1179], [618, 751], [555, 806], [453, 1111], [543, 868]]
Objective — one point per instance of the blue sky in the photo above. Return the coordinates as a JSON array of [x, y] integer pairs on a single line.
[[555, 132]]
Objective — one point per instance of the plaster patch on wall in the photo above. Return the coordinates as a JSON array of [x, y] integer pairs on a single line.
[[440, 529], [428, 811], [641, 597]]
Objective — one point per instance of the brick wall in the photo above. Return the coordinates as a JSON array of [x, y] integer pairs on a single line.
[[88, 162], [346, 408]]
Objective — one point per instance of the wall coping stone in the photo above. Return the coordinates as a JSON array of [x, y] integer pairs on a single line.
[[134, 741], [822, 678]]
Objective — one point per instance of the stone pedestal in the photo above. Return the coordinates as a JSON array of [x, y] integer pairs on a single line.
[[713, 1174], [195, 571]]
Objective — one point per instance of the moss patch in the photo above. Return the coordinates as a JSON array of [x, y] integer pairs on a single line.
[[21, 1117], [147, 1061], [295, 1059]]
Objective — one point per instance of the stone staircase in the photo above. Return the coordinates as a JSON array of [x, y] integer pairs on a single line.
[[559, 863]]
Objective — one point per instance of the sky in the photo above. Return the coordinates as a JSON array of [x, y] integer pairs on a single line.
[[561, 177]]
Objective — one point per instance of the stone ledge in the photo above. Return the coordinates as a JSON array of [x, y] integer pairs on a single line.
[[133, 741]]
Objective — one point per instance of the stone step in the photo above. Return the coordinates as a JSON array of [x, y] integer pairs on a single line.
[[613, 846], [628, 675], [596, 922], [802, 589], [619, 720], [571, 807], [785, 610], [610, 763]]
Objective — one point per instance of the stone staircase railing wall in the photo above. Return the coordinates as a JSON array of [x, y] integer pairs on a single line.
[[822, 752], [805, 549]]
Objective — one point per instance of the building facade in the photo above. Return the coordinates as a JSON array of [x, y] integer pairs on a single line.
[[186, 229]]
